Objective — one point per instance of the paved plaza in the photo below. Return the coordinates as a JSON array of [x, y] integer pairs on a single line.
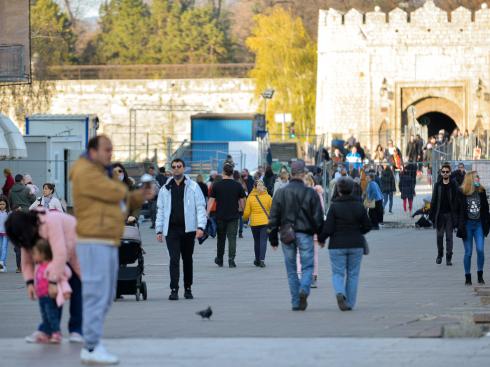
[[403, 294]]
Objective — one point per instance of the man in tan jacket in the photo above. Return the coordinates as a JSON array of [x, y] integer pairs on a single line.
[[101, 204]]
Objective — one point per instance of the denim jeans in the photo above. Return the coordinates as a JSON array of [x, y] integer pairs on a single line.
[[346, 265], [51, 315], [260, 242], [388, 196], [303, 244], [474, 230], [4, 246]]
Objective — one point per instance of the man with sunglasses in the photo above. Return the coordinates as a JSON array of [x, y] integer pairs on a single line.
[[442, 213], [181, 218]]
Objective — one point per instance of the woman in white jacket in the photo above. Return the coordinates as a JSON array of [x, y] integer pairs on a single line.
[[48, 200]]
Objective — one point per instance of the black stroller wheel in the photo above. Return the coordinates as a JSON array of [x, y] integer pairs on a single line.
[[144, 291], [137, 294]]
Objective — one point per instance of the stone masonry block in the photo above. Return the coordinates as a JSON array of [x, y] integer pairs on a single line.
[[333, 18], [485, 301], [375, 18], [461, 16], [353, 17], [481, 318], [482, 17], [397, 16], [428, 15]]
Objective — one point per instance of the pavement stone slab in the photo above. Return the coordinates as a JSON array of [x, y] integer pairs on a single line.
[[402, 293]]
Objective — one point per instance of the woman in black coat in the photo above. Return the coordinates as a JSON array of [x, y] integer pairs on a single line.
[[473, 222], [347, 222], [387, 186], [407, 189]]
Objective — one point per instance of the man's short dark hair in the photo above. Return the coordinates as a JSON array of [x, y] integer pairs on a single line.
[[151, 167], [228, 169], [177, 160], [19, 178], [345, 185], [94, 142], [161, 169], [446, 165]]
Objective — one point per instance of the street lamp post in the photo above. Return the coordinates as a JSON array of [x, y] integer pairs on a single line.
[[267, 94]]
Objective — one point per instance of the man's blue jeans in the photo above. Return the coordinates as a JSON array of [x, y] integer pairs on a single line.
[[346, 265], [474, 230], [304, 243], [388, 196]]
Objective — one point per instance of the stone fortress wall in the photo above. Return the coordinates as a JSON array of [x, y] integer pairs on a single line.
[[162, 107], [373, 66]]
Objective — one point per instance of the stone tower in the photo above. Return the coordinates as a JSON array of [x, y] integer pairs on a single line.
[[386, 75]]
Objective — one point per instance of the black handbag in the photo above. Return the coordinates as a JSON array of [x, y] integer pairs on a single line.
[[287, 235]]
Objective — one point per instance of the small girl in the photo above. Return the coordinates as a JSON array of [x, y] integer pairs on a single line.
[[49, 330], [4, 213]]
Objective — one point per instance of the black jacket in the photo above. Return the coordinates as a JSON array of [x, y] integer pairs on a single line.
[[462, 215], [458, 177], [435, 205], [269, 184], [387, 181], [407, 186], [296, 204], [347, 222]]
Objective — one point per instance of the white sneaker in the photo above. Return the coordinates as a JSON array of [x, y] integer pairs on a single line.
[[75, 338], [98, 356]]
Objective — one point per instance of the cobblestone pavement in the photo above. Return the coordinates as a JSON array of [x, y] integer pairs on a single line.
[[402, 293], [259, 352]]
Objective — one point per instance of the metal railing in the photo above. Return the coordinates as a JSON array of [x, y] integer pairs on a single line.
[[171, 71]]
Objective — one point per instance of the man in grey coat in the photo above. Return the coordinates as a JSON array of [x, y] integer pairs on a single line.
[[20, 196]]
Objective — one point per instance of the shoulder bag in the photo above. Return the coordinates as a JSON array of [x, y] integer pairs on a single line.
[[287, 234], [262, 206]]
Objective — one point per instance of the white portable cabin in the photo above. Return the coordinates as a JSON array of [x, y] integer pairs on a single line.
[[84, 126], [49, 159]]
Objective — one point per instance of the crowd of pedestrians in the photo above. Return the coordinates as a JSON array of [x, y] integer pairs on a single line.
[[75, 258]]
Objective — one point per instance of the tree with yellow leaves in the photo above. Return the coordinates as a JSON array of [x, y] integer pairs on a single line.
[[285, 60]]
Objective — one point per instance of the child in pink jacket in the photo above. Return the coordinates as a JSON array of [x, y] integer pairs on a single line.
[[49, 330]]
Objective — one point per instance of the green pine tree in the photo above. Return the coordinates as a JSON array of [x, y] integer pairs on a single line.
[[53, 42], [125, 30]]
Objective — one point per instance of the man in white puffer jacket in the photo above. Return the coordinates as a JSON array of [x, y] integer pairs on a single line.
[[181, 218]]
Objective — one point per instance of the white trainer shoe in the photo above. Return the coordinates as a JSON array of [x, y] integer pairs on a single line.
[[75, 338], [98, 356]]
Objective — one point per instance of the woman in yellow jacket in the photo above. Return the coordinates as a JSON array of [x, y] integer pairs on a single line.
[[258, 208]]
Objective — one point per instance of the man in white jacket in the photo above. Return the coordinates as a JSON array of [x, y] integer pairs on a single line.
[[181, 218]]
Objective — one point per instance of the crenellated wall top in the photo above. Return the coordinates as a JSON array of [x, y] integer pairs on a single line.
[[427, 15]]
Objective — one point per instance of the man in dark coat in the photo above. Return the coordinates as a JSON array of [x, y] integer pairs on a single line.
[[442, 212], [458, 175]]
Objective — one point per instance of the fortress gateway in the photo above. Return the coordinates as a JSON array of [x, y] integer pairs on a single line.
[[384, 75]]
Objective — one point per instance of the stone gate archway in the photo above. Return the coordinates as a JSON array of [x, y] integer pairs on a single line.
[[438, 105]]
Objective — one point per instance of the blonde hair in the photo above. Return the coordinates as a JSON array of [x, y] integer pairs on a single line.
[[309, 181], [7, 171], [467, 188]]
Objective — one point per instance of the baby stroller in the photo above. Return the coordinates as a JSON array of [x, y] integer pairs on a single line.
[[130, 278]]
